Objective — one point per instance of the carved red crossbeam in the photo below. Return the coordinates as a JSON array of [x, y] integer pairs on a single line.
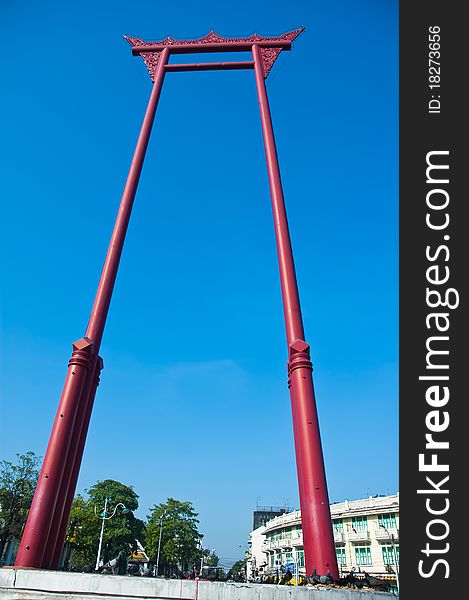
[[270, 48], [215, 66]]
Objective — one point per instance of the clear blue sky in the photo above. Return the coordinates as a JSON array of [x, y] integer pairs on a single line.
[[193, 401]]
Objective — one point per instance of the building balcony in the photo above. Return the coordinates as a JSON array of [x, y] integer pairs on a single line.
[[297, 541], [338, 537], [359, 536], [284, 520], [268, 546], [383, 536]]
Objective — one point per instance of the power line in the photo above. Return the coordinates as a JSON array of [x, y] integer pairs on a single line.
[[280, 68]]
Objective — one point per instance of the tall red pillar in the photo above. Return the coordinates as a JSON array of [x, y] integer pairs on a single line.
[[47, 517], [318, 538]]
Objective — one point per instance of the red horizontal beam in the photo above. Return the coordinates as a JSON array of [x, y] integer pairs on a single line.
[[216, 66], [211, 47]]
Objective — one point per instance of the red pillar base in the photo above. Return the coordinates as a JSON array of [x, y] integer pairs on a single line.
[[318, 537], [40, 518]]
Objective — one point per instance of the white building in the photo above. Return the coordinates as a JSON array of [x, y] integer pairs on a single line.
[[366, 535]]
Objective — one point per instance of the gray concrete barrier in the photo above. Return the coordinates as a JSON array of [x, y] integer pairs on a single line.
[[30, 584]]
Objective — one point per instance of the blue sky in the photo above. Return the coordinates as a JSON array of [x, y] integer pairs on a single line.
[[193, 401]]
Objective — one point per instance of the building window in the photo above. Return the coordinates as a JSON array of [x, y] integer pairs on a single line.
[[288, 557], [272, 560], [341, 558], [288, 534], [301, 559], [360, 523], [338, 526], [388, 554], [388, 521], [363, 556]]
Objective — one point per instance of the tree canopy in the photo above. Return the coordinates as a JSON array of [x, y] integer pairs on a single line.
[[120, 531], [211, 558], [180, 537], [239, 567], [181, 546], [17, 484]]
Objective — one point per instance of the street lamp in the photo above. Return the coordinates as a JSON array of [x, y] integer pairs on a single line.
[[391, 537], [159, 543], [104, 517], [296, 566], [248, 557]]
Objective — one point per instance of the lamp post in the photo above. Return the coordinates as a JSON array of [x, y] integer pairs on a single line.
[[159, 544], [247, 557], [201, 557], [104, 518], [295, 562], [391, 537]]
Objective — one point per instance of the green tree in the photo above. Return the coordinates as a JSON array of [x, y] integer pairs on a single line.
[[120, 532], [239, 568], [180, 538], [17, 484], [210, 558]]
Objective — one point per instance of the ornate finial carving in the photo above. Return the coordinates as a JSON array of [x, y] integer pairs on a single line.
[[150, 59], [269, 55]]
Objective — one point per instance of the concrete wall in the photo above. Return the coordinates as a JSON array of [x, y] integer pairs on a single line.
[[22, 584]]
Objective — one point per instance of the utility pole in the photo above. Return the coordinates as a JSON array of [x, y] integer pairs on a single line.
[[394, 553], [159, 543]]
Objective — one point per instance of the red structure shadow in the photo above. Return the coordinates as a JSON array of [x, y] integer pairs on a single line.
[[44, 533]]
